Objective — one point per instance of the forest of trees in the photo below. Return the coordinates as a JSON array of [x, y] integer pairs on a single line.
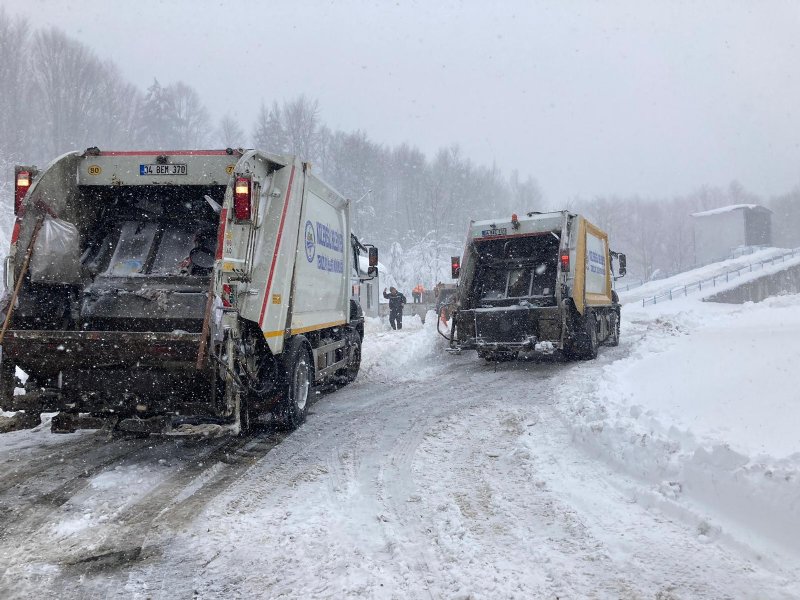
[[58, 95]]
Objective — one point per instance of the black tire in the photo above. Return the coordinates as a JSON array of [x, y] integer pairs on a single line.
[[8, 381], [245, 414], [260, 371], [613, 339], [298, 382], [586, 342], [350, 372]]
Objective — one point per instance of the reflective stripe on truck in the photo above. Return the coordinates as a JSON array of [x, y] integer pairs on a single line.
[[277, 248], [305, 329]]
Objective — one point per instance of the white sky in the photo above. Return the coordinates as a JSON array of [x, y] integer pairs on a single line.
[[589, 98]]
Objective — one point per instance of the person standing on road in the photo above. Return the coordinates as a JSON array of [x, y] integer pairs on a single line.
[[396, 303], [416, 293]]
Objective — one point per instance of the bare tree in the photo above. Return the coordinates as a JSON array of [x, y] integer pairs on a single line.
[[292, 127], [269, 133], [301, 124], [187, 115], [14, 83], [229, 133], [525, 195], [115, 123], [69, 82], [175, 117]]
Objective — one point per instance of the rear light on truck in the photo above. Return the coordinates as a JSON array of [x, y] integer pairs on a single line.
[[455, 266], [21, 184], [565, 261], [241, 199]]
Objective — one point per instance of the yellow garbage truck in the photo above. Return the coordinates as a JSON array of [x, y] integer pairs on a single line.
[[164, 290], [536, 283]]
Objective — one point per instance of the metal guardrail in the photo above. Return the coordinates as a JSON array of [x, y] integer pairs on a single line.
[[725, 276], [630, 286]]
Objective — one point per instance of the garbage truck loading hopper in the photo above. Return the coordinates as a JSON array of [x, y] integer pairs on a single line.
[[110, 312]]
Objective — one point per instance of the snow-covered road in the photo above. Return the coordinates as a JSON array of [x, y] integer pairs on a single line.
[[432, 476]]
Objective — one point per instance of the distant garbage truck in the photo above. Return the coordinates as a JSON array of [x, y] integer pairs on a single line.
[[162, 290], [535, 283]]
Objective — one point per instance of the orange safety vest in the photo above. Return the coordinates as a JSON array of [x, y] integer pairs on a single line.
[[419, 289]]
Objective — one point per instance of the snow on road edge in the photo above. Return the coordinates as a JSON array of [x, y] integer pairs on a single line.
[[754, 499]]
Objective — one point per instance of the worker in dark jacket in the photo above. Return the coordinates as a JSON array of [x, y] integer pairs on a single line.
[[396, 303]]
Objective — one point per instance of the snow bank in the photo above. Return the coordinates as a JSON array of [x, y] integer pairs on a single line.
[[24, 440], [737, 379], [702, 401], [410, 354]]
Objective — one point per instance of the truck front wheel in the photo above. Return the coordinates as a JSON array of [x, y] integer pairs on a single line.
[[613, 339], [298, 382]]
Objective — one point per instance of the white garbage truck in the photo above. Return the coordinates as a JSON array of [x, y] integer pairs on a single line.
[[164, 290]]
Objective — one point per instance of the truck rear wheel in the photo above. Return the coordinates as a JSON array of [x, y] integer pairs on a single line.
[[586, 342], [7, 383], [298, 382]]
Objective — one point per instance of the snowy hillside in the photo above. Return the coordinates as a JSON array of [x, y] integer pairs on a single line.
[[426, 262]]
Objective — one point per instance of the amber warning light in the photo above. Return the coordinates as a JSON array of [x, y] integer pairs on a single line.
[[23, 182]]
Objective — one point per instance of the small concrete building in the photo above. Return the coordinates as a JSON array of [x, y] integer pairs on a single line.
[[720, 232]]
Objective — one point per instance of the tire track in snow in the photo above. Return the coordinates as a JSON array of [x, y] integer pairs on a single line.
[[31, 462], [35, 502], [493, 510], [101, 560]]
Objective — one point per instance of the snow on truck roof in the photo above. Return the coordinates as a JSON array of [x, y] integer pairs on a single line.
[[727, 209]]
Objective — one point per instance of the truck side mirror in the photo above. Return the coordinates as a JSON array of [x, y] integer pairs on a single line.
[[372, 271], [373, 257], [455, 266], [622, 265]]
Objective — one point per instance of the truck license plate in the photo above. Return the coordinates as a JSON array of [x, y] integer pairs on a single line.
[[155, 169], [491, 232]]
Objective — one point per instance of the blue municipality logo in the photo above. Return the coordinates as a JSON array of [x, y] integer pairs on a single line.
[[311, 247]]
